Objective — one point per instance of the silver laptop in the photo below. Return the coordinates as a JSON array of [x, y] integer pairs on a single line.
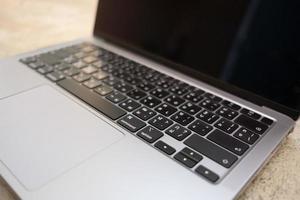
[[167, 100]]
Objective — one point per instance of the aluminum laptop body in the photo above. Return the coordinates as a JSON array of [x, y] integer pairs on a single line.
[[57, 144]]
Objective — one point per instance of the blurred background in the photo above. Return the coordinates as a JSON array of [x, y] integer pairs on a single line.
[[29, 24]]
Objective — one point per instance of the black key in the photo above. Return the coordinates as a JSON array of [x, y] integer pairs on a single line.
[[166, 109], [227, 113], [116, 97], [251, 124], [144, 113], [160, 122], [164, 147], [108, 68], [208, 117], [206, 173], [174, 100], [191, 154], [193, 97], [92, 99], [267, 121], [45, 70], [178, 132], [250, 113], [213, 97], [131, 123], [129, 105], [185, 160], [211, 150], [55, 76], [49, 59], [178, 90], [209, 104], [163, 83], [103, 90], [182, 118], [122, 87], [36, 65], [136, 94], [246, 136], [81, 77], [200, 127], [228, 142], [227, 126], [190, 108], [150, 101], [145, 86], [230, 105], [132, 80], [159, 93], [150, 134]]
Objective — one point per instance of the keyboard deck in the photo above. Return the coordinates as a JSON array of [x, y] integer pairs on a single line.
[[155, 107]]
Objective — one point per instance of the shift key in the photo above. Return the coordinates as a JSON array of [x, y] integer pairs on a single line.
[[211, 150]]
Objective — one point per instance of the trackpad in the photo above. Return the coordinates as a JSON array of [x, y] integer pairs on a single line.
[[44, 134]]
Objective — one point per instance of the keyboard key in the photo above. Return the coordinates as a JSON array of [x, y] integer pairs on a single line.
[[160, 122], [150, 101], [111, 80], [228, 142], [159, 93], [200, 127], [92, 83], [79, 64], [131, 123], [122, 87], [165, 147], [206, 173], [178, 90], [99, 63], [92, 99], [28, 60], [185, 160], [90, 59], [191, 154], [178, 132], [100, 75], [71, 71], [55, 76], [62, 66], [227, 126], [209, 104], [49, 59], [250, 113], [129, 105], [246, 136], [267, 121], [146, 86], [227, 113], [165, 109], [211, 150], [36, 65], [144, 113], [150, 134], [89, 69], [251, 124], [136, 94], [182, 118], [81, 77], [213, 97], [230, 105], [45, 69], [190, 108], [103, 90], [116, 97], [208, 117], [70, 59], [174, 100]]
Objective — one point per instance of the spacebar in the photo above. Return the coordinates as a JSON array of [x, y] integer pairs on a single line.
[[94, 100]]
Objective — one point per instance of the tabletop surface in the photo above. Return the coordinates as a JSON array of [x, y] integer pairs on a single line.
[[29, 24]]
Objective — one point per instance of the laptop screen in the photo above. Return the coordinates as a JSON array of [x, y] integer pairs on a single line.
[[252, 44]]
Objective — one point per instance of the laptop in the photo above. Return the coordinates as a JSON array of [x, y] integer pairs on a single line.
[[167, 100]]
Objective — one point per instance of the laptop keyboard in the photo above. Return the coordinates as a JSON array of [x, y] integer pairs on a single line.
[[154, 106]]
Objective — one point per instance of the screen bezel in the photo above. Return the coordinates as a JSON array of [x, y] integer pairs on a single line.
[[242, 93]]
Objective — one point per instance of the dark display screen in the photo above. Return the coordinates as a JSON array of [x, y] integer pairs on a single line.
[[252, 44]]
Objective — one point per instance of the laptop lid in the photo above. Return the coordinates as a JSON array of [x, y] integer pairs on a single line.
[[247, 47]]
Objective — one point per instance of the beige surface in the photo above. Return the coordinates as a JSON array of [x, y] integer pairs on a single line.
[[29, 24]]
